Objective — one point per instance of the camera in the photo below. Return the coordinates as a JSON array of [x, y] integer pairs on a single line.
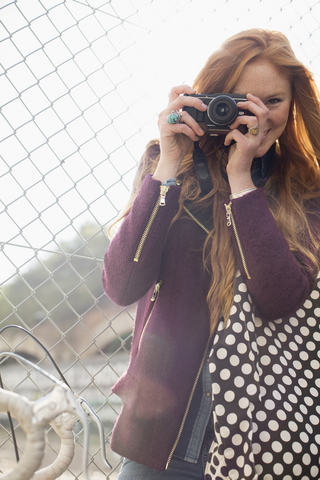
[[221, 112]]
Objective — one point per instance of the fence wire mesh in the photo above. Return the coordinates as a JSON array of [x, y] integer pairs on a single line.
[[81, 83]]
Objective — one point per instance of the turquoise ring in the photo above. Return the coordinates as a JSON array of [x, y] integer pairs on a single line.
[[174, 117]]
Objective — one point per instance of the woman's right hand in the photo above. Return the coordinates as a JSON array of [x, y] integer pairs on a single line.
[[176, 139]]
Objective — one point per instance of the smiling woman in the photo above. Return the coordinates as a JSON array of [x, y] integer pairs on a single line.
[[219, 270]]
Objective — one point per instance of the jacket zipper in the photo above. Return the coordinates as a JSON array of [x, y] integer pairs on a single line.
[[153, 299], [189, 403], [160, 202], [230, 221]]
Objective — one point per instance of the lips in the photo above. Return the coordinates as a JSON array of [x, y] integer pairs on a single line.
[[266, 134]]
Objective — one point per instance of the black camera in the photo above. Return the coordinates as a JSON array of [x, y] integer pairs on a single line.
[[221, 112]]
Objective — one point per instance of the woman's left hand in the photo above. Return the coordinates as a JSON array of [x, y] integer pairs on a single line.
[[242, 153]]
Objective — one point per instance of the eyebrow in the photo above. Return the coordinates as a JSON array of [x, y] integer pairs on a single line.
[[277, 94]]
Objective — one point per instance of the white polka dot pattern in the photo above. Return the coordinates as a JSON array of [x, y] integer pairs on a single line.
[[266, 394]]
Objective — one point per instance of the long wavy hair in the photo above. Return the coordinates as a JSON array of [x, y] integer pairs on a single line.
[[295, 177]]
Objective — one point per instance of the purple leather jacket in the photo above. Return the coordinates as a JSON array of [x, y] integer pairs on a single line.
[[163, 271]]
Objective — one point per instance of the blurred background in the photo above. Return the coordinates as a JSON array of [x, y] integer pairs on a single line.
[[81, 85]]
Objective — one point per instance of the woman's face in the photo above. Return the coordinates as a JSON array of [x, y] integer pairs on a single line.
[[262, 79]]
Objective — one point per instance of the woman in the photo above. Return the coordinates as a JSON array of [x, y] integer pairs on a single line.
[[244, 254]]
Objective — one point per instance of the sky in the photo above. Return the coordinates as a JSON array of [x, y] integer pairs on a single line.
[[81, 85]]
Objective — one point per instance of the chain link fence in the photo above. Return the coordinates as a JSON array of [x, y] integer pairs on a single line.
[[81, 82]]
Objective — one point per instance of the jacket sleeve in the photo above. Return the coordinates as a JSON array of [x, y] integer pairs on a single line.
[[132, 261], [279, 280]]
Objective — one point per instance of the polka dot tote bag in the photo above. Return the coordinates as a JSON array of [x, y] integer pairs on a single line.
[[266, 393]]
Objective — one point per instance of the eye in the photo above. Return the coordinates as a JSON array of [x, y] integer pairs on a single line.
[[273, 101]]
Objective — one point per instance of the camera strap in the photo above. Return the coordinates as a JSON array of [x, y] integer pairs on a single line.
[[202, 169], [261, 168]]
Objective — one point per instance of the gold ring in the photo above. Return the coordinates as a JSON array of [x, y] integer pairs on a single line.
[[254, 130]]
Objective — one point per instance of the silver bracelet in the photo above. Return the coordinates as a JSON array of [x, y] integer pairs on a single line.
[[242, 193]]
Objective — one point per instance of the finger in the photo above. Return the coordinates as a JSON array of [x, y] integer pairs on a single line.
[[235, 135], [250, 121], [178, 128], [240, 137], [187, 126], [186, 101], [257, 100], [253, 100], [184, 116], [191, 122], [175, 92], [254, 105]]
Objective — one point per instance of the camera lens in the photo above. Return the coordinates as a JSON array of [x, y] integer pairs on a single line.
[[222, 110]]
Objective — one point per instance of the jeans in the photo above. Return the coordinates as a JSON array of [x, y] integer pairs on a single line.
[[178, 469]]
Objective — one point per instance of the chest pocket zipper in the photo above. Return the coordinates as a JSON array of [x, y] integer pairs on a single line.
[[153, 299], [231, 222], [161, 201]]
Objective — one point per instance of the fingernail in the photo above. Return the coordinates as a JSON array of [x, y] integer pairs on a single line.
[[200, 131], [204, 105]]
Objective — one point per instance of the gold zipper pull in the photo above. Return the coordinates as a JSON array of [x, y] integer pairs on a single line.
[[156, 291], [163, 193], [228, 213]]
